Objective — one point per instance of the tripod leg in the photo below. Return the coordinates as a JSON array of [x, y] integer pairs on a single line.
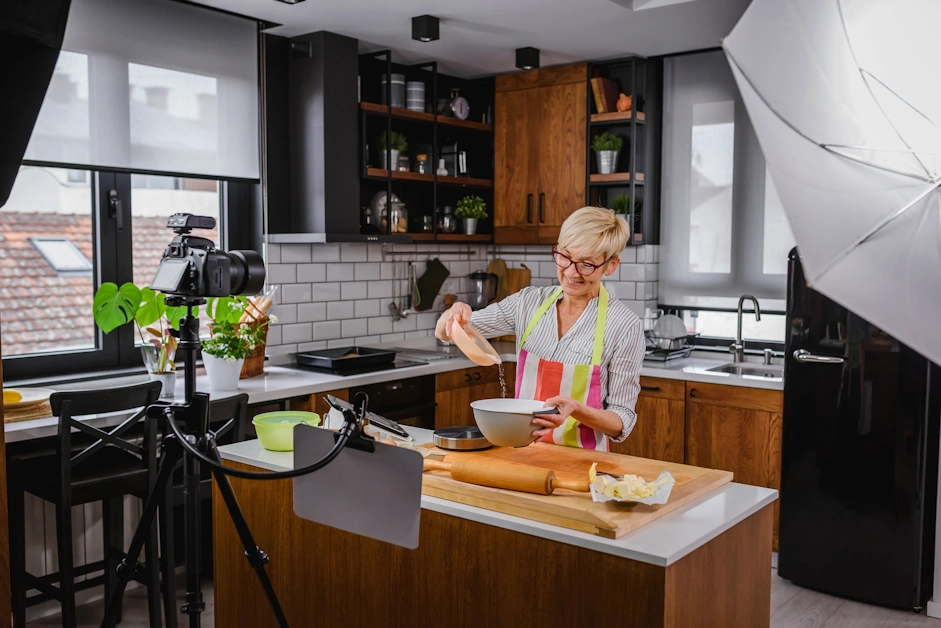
[[171, 454], [191, 513], [256, 558]]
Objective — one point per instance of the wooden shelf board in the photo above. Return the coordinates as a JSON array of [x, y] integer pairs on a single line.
[[617, 116], [379, 173], [463, 237], [468, 181], [398, 112], [617, 177], [422, 237]]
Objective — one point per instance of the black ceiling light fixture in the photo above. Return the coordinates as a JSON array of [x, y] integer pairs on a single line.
[[425, 28], [527, 58], [291, 1]]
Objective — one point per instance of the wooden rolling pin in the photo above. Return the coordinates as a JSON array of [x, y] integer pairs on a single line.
[[515, 477]]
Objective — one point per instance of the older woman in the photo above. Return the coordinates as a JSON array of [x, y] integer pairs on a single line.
[[579, 350]]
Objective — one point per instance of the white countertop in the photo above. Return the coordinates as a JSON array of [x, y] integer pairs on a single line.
[[661, 543], [284, 382]]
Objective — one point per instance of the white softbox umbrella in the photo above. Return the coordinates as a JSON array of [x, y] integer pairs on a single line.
[[846, 104]]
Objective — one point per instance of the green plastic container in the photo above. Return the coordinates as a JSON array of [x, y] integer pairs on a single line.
[[276, 429]]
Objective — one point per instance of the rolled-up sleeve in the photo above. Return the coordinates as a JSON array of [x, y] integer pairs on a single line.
[[624, 378]]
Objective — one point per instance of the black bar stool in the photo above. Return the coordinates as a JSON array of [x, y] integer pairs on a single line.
[[119, 462], [227, 419]]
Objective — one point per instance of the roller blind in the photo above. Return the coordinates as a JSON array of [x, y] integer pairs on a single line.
[[153, 85], [723, 229]]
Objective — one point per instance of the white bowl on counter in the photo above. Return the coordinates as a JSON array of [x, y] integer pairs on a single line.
[[507, 422]]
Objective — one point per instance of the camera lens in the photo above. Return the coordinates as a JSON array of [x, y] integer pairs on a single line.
[[247, 272]]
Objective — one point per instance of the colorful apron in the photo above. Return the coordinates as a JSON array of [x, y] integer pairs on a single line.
[[541, 379]]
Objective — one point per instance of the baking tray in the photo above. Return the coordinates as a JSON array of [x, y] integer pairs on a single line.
[[345, 358]]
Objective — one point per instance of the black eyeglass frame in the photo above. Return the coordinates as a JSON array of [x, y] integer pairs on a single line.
[[579, 266]]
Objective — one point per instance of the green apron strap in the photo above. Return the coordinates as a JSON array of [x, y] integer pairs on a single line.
[[538, 315], [600, 322]]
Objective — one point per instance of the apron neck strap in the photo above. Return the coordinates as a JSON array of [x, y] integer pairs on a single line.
[[600, 321]]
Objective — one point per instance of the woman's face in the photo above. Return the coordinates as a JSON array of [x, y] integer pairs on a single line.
[[575, 281]]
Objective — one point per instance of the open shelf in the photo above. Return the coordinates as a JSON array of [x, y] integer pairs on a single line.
[[397, 112], [465, 181], [617, 116], [615, 178], [379, 173], [451, 237]]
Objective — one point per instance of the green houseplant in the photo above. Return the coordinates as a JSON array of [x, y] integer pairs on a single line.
[[607, 146], [470, 209], [231, 341], [397, 142]]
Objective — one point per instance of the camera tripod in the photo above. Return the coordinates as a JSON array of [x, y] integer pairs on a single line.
[[193, 415]]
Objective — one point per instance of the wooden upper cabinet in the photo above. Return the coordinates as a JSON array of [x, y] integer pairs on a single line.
[[540, 134]]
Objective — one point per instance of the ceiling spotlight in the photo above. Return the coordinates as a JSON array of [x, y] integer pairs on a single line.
[[425, 28], [527, 58]]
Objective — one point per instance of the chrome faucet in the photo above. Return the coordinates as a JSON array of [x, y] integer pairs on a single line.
[[738, 349]]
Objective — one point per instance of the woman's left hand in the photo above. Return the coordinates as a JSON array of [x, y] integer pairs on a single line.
[[567, 407]]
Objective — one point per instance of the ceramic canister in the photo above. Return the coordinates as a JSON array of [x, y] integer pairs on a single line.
[[398, 90], [415, 96]]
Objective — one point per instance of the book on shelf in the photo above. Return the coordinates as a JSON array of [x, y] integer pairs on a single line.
[[606, 93]]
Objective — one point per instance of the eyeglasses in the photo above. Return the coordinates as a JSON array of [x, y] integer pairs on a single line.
[[584, 268]]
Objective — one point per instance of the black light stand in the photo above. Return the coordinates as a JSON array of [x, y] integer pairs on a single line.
[[193, 415]]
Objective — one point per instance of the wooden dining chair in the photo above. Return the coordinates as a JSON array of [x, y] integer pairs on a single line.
[[117, 462], [228, 419]]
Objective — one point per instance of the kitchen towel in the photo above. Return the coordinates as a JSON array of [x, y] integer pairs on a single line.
[[430, 283]]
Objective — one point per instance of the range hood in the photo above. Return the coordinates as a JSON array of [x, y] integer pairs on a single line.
[[311, 84]]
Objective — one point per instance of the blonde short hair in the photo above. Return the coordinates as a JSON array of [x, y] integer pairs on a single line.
[[595, 231]]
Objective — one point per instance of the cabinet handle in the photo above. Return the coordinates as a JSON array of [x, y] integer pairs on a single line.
[[529, 208], [477, 376], [692, 392], [650, 388], [542, 207], [467, 377]]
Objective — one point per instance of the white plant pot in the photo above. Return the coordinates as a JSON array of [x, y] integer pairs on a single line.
[[470, 226], [168, 383], [223, 374]]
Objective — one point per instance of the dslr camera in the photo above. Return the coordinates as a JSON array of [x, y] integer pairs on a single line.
[[193, 267]]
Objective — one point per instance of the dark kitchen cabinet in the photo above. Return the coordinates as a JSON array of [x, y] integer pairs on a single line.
[[540, 126], [454, 392]]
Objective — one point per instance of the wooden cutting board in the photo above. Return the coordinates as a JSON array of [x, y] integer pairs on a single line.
[[570, 509], [516, 279]]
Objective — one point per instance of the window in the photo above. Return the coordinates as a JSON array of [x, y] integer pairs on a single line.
[[61, 254], [724, 232]]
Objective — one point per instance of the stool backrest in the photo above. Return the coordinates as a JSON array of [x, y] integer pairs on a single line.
[[69, 404], [232, 412]]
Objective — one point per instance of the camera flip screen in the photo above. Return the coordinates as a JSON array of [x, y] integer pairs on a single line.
[[169, 275]]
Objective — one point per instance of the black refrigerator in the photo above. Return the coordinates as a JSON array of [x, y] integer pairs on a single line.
[[859, 457]]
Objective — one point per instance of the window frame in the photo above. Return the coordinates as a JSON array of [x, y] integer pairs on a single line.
[[240, 218]]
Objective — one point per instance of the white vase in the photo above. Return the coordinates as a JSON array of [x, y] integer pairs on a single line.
[[167, 383], [223, 374]]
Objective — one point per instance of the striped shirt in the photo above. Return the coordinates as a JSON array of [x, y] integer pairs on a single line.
[[621, 359]]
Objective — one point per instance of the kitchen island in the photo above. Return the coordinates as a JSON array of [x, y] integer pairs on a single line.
[[705, 564]]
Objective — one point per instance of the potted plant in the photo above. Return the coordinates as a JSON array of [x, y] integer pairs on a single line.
[[621, 204], [398, 144], [116, 306], [232, 340], [470, 209], [607, 145]]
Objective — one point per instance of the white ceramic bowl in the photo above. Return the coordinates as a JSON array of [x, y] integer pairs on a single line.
[[507, 422]]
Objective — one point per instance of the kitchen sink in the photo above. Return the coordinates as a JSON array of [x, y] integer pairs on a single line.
[[750, 370]]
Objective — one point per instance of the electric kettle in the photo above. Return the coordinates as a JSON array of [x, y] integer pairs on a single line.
[[483, 289]]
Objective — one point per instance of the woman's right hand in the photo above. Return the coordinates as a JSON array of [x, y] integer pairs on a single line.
[[459, 313]]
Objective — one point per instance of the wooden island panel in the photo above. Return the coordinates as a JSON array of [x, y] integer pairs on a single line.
[[469, 574]]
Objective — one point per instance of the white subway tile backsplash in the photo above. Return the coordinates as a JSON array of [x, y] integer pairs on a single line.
[[326, 330], [295, 253], [274, 335], [368, 340], [317, 345], [379, 290], [286, 314], [621, 289], [422, 333], [367, 307], [296, 292], [649, 290], [275, 350], [326, 292], [390, 269], [392, 337], [298, 332], [651, 271], [282, 273], [405, 324], [339, 310], [641, 255], [379, 325], [340, 272], [374, 253], [636, 306], [354, 290], [426, 320], [315, 273], [324, 253], [311, 312], [547, 269], [338, 343], [354, 327], [629, 255], [631, 272], [354, 253], [367, 270], [543, 282], [272, 253]]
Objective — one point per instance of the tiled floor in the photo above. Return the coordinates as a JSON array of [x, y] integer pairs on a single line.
[[791, 607]]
